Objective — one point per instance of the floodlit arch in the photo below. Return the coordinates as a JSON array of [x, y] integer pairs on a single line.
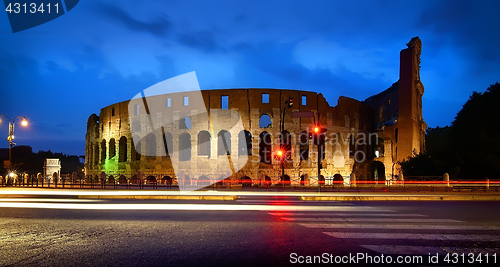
[[224, 143], [204, 143], [150, 145], [122, 149], [244, 143], [265, 121], [265, 147], [103, 151], [184, 147]]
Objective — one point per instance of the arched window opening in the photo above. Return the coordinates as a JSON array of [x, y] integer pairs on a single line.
[[185, 123], [122, 149], [91, 155], [150, 145], [286, 144], [169, 142], [112, 148], [136, 126], [96, 131], [136, 149], [96, 154], [304, 146], [265, 121], [184, 147], [265, 147], [103, 151], [224, 143], [204, 143], [244, 143]]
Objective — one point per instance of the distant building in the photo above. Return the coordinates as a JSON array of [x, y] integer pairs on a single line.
[[391, 123]]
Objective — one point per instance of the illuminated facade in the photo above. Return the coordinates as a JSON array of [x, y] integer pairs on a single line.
[[366, 138]]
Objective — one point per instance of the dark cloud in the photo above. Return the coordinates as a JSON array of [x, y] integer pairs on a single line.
[[470, 27], [201, 40], [160, 26], [278, 61]]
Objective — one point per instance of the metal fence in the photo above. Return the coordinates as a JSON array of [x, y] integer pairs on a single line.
[[151, 183]]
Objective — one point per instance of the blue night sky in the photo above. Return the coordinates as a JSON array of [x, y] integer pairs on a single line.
[[103, 52]]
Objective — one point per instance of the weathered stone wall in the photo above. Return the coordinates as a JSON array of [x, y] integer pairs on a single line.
[[392, 118]]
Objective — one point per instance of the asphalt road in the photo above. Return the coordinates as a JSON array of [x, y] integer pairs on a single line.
[[252, 231]]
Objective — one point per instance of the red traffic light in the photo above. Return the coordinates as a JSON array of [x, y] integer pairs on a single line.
[[318, 135]]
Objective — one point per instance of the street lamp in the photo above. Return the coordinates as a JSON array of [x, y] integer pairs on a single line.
[[10, 137]]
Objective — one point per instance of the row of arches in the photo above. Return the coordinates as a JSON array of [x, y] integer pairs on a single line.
[[148, 146], [203, 179]]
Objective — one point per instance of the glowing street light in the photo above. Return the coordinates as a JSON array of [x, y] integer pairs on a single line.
[[10, 137]]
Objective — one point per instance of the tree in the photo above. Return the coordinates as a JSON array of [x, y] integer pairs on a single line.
[[476, 135], [469, 148]]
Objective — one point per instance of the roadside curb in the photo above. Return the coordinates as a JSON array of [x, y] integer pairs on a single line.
[[224, 198], [399, 198]]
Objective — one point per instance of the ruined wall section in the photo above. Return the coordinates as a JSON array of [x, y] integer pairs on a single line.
[[113, 130]]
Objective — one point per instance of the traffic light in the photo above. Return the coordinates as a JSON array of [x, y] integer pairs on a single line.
[[290, 102], [279, 154], [318, 135]]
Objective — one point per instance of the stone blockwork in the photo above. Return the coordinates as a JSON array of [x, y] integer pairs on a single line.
[[363, 137]]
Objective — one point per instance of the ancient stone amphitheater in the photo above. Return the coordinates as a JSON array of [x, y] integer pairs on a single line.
[[240, 131]]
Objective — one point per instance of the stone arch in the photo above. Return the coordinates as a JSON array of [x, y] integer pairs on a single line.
[[169, 142], [184, 147], [338, 179], [90, 154], [122, 179], [103, 151], [204, 143], [265, 121], [112, 148], [111, 179], [304, 146], [150, 179], [285, 139], [137, 148], [377, 171], [285, 179], [96, 154], [167, 180], [135, 180], [122, 149], [303, 180], [204, 181], [151, 145], [136, 127], [185, 123], [223, 143], [265, 147], [244, 143], [246, 181]]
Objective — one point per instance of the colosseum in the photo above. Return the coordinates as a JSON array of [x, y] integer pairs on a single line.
[[207, 136]]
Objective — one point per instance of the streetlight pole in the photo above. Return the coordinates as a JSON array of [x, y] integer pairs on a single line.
[[10, 137]]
